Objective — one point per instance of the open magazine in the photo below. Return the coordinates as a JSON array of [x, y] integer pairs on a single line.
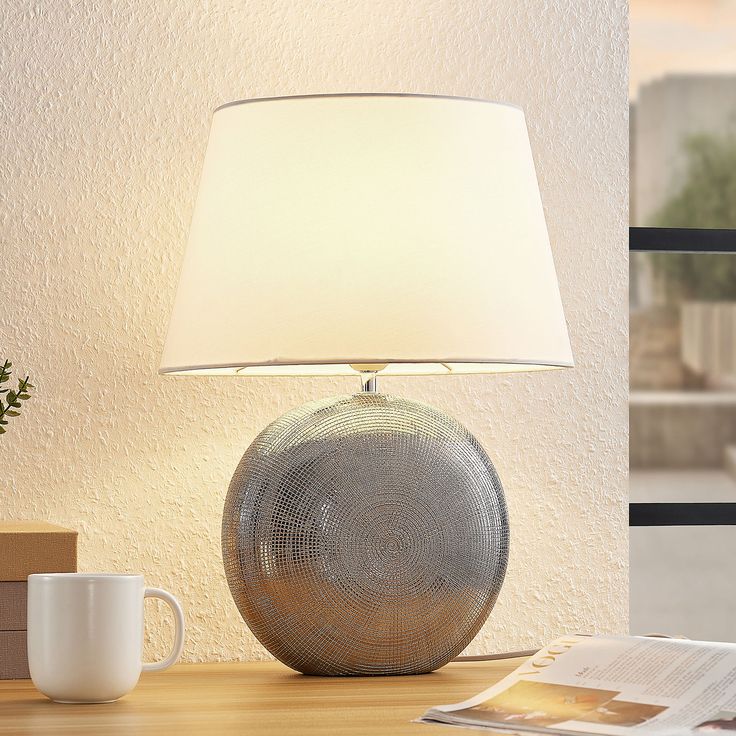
[[609, 685]]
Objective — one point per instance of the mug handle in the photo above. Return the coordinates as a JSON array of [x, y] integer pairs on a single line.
[[164, 664]]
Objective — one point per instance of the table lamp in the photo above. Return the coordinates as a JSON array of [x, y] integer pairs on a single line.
[[367, 235]]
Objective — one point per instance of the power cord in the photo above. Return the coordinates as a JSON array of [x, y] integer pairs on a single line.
[[532, 652], [500, 655]]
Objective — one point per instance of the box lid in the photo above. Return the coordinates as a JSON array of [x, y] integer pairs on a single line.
[[32, 527], [28, 547]]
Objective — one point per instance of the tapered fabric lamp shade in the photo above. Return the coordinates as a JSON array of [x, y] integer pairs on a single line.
[[335, 231], [366, 234]]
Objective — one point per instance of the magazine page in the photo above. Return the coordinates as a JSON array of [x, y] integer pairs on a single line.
[[610, 685]]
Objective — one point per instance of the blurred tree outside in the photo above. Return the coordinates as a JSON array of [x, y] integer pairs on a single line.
[[707, 199]]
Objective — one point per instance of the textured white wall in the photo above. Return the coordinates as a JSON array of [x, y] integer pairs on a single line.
[[105, 113]]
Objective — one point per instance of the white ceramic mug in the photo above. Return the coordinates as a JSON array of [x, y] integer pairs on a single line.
[[85, 635]]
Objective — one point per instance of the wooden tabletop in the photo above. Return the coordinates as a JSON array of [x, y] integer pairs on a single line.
[[254, 699]]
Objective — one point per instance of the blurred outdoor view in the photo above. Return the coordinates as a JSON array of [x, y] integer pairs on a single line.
[[683, 312]]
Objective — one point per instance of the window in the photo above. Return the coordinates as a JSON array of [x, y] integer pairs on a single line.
[[683, 317]]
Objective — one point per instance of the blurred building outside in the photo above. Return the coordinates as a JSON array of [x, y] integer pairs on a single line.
[[683, 353], [682, 307]]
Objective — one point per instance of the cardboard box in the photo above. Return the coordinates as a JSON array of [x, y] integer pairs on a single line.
[[28, 547], [13, 606], [13, 655]]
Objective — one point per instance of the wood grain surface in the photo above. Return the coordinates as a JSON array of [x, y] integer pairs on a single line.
[[253, 698]]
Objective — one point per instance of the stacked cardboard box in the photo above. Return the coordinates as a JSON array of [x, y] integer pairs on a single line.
[[26, 547]]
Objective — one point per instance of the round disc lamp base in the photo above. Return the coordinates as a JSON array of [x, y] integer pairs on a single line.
[[365, 535]]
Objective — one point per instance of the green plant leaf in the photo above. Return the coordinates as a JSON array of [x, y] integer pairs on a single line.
[[12, 404]]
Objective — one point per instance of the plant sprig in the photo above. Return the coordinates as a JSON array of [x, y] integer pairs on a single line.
[[11, 401]]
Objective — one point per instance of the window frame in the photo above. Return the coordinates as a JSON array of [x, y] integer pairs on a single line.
[[682, 240]]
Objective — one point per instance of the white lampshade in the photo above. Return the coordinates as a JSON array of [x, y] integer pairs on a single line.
[[353, 230]]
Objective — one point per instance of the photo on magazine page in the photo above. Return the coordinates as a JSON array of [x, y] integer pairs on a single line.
[[546, 704], [723, 721]]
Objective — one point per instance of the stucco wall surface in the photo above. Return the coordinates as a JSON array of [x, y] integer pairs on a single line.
[[105, 113]]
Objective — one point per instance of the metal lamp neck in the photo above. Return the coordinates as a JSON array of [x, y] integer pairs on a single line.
[[369, 381]]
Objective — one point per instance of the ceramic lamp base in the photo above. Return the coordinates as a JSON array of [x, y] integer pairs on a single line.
[[365, 535]]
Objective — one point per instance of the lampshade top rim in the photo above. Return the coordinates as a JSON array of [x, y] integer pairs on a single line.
[[417, 95]]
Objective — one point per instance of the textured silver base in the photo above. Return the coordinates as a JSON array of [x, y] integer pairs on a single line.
[[365, 535]]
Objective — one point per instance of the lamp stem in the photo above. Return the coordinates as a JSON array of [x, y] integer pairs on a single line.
[[369, 381]]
